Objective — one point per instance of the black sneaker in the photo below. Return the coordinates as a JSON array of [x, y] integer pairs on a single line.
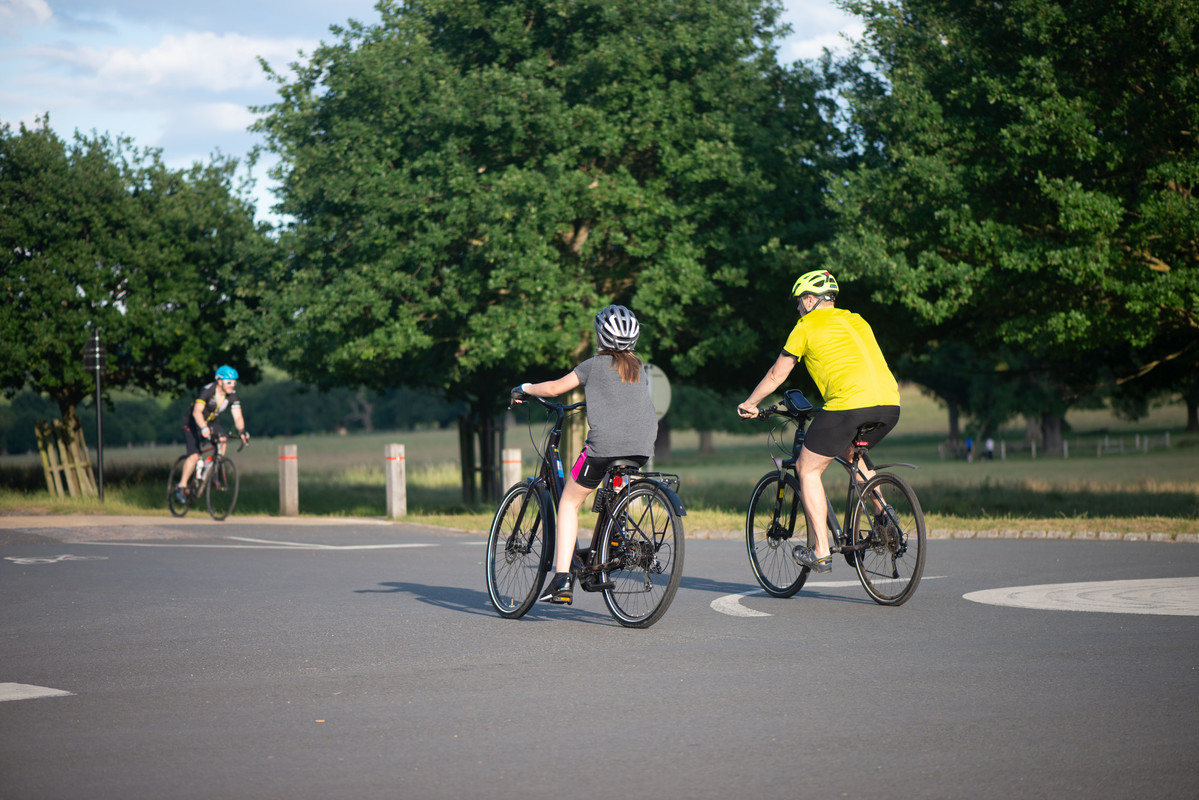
[[560, 591]]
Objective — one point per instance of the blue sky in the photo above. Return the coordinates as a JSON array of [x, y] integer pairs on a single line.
[[181, 76]]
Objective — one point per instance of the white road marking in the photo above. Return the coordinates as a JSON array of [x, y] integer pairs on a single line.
[[52, 559], [26, 691], [731, 603], [1165, 596], [263, 544]]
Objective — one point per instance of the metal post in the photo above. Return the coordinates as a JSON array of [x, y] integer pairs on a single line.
[[93, 358], [396, 473]]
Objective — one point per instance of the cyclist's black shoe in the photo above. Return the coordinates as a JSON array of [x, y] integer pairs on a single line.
[[806, 557], [180, 495], [560, 590]]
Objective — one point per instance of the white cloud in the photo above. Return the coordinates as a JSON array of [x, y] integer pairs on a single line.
[[797, 48], [16, 14], [206, 61]]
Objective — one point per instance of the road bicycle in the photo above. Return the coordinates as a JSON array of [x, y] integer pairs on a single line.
[[215, 477], [883, 537], [635, 558]]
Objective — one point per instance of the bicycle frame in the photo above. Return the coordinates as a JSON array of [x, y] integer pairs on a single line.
[[801, 415], [551, 479]]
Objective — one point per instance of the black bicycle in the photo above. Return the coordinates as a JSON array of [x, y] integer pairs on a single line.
[[215, 477], [635, 557], [883, 537]]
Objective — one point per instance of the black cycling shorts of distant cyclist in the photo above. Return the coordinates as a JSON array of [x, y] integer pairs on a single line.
[[193, 439]]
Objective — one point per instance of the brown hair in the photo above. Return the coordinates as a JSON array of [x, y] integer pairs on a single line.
[[627, 363]]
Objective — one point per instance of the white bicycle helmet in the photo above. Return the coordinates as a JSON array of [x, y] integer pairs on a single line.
[[616, 328]]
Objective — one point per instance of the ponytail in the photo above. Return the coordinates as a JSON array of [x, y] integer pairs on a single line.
[[626, 363]]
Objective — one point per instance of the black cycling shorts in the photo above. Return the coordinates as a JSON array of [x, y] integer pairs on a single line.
[[589, 470], [831, 432], [193, 439]]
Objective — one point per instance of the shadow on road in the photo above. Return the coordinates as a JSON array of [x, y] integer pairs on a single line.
[[470, 601]]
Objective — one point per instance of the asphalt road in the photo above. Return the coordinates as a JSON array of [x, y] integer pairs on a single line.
[[363, 660]]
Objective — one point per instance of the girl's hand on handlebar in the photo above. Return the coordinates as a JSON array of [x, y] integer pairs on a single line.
[[517, 395]]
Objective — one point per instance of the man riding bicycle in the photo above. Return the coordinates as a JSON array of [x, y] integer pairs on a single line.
[[844, 360], [201, 422]]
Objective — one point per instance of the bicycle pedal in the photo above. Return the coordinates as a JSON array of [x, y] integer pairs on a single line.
[[597, 587]]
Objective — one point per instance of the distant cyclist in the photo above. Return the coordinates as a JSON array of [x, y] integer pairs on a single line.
[[844, 360], [201, 422]]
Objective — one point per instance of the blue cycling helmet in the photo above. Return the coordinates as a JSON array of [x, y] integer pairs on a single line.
[[226, 373]]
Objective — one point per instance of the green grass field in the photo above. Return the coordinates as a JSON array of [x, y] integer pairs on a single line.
[[1153, 491]]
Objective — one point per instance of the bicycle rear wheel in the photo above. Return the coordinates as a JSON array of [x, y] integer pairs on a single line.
[[774, 524], [179, 508], [890, 523], [221, 491], [518, 550], [642, 554]]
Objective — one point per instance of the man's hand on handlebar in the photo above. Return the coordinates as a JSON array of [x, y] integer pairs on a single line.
[[748, 411]]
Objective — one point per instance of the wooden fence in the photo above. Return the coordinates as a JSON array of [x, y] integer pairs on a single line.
[[65, 461]]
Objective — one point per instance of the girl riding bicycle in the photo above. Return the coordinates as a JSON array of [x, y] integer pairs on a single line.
[[622, 420]]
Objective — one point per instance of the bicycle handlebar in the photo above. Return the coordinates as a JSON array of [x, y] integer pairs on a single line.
[[517, 397]]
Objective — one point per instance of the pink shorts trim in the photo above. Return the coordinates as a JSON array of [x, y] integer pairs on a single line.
[[578, 467]]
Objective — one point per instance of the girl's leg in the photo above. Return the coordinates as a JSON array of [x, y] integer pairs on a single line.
[[573, 496]]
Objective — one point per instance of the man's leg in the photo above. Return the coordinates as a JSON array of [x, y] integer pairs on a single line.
[[811, 467], [189, 466]]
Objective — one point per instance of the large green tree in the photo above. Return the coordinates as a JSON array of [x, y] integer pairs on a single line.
[[1027, 181], [96, 235], [471, 182]]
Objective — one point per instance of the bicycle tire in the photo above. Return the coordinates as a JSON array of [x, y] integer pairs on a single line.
[[774, 524], [220, 491], [177, 508], [519, 550], [642, 552], [891, 563]]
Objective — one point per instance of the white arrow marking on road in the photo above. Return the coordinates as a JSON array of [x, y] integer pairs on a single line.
[[26, 691], [1165, 596]]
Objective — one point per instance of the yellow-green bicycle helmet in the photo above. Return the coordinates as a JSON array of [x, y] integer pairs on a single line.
[[819, 282]]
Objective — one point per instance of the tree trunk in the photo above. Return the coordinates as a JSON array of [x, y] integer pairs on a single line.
[[706, 448], [955, 421], [662, 443], [481, 437], [1051, 432], [1032, 430]]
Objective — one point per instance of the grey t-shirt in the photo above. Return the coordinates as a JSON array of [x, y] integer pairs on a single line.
[[621, 415]]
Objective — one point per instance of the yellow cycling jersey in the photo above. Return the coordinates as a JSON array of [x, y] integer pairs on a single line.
[[842, 356]]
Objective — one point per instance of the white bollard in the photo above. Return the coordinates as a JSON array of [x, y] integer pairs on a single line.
[[289, 482], [395, 469], [510, 471]]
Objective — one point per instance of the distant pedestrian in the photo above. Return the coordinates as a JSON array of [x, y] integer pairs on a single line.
[[990, 454], [969, 449]]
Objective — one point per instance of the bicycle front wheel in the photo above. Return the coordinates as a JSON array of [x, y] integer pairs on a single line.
[[889, 525], [221, 491], [518, 550], [642, 556], [178, 508], [774, 524]]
